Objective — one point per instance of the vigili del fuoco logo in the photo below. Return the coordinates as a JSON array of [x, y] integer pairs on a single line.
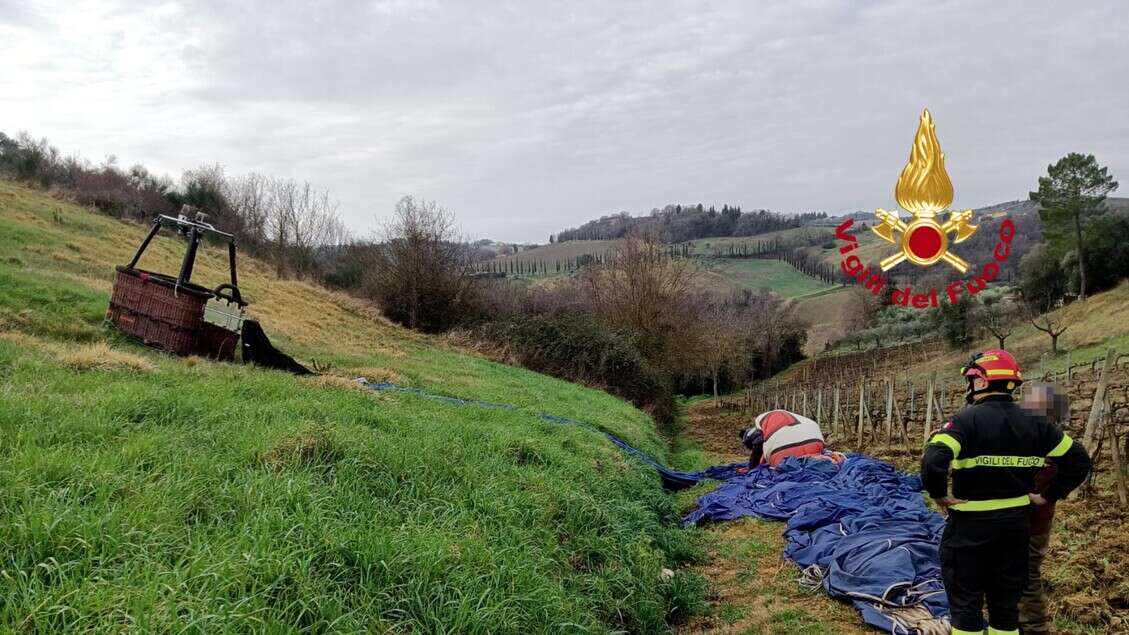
[[925, 191]]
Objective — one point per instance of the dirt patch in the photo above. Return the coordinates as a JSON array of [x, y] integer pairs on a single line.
[[715, 425], [1087, 567]]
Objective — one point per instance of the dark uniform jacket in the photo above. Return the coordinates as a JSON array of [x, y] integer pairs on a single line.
[[995, 449]]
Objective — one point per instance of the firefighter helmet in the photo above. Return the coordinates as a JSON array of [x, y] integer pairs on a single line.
[[993, 365]]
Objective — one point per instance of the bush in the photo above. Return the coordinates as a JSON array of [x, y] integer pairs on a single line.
[[421, 276], [955, 322], [585, 349]]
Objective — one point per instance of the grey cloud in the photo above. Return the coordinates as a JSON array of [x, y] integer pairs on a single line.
[[525, 118]]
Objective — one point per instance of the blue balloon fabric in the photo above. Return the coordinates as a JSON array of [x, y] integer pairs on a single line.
[[862, 527]]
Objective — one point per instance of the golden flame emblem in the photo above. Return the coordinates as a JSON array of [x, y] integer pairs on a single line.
[[924, 190]]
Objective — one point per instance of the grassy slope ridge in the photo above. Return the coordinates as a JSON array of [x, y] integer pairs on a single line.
[[140, 491]]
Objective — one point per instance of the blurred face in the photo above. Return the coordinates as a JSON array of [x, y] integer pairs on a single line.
[[1046, 401]]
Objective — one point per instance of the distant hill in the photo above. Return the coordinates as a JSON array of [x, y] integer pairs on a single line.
[[686, 223], [677, 223], [977, 249]]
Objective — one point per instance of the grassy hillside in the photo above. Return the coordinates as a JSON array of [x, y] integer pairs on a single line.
[[709, 246], [870, 248], [776, 275], [1096, 324], [824, 313], [143, 492], [701, 247]]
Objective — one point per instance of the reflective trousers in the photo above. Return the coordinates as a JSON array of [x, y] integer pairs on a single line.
[[984, 563]]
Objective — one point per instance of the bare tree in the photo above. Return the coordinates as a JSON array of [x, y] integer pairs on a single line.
[[315, 225], [861, 309], [721, 342], [998, 317], [773, 331], [1053, 323], [299, 221], [640, 286], [250, 197], [422, 271]]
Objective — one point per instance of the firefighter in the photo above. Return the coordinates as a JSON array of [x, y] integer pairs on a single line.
[[994, 449]]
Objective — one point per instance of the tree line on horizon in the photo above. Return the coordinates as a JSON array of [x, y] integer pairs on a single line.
[[676, 223]]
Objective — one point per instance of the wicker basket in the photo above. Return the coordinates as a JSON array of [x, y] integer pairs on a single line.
[[152, 308], [216, 342]]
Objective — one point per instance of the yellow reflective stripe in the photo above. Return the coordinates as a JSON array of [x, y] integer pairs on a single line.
[[1062, 446], [996, 631], [946, 439], [990, 460], [992, 504], [961, 631], [1001, 371]]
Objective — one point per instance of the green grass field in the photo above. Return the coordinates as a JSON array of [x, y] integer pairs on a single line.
[[146, 493], [776, 275]]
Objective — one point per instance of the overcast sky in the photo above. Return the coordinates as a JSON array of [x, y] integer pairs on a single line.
[[524, 118]]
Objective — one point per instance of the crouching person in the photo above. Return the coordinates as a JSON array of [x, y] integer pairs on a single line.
[[779, 434]]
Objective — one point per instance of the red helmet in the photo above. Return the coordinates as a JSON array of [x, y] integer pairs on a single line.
[[994, 365]]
